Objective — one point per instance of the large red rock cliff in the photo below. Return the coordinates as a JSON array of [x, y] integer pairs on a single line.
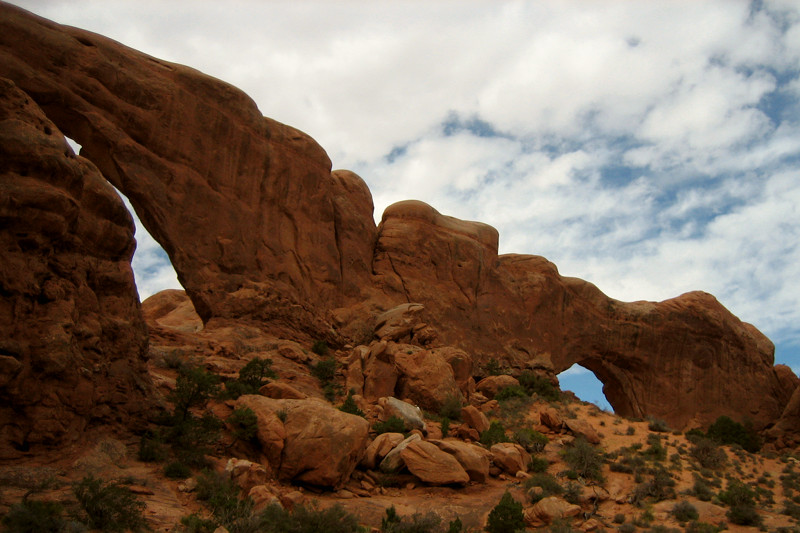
[[260, 230]]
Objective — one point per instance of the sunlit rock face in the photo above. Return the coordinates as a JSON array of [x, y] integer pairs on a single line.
[[261, 231]]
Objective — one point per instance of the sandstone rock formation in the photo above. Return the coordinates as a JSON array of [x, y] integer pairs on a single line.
[[432, 465], [308, 441], [73, 340], [292, 247]]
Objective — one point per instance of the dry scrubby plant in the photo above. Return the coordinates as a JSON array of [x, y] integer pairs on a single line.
[[506, 516], [584, 459]]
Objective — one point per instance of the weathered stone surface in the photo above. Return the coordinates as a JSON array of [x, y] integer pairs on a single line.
[[549, 417], [278, 390], [378, 448], [474, 459], [246, 474], [315, 443], [410, 414], [432, 465], [398, 322], [172, 309], [474, 418], [510, 457], [491, 385], [393, 461], [548, 509], [582, 428], [72, 338], [425, 378]]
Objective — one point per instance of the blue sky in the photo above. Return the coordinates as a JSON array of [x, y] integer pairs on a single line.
[[649, 147]]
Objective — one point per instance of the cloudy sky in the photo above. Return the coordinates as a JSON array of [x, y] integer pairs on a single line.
[[650, 147]]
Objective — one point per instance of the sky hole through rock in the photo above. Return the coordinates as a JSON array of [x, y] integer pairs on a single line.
[[151, 265], [585, 385]]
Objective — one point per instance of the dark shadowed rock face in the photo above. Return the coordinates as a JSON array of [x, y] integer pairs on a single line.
[[260, 230], [73, 340]]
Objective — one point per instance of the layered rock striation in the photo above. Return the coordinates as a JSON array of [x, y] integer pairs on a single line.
[[260, 230]]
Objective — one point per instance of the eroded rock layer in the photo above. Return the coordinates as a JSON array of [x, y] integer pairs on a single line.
[[261, 231], [73, 339]]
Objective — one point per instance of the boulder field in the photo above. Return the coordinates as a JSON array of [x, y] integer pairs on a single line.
[[263, 234]]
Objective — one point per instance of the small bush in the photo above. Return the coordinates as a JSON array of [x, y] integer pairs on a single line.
[[151, 448], [445, 425], [584, 459], [493, 367], [657, 425], [496, 433], [655, 452], [254, 375], [738, 494], [245, 424], [506, 516], [304, 519], [708, 454], [549, 485], [684, 511], [726, 431], [627, 528], [108, 506], [658, 488], [221, 495], [34, 516], [744, 515], [418, 523], [394, 424], [702, 527], [619, 518], [177, 470], [530, 439], [320, 348], [349, 406], [512, 391], [791, 508], [324, 370], [193, 388], [539, 385], [573, 492], [451, 407], [701, 490], [538, 464], [195, 524]]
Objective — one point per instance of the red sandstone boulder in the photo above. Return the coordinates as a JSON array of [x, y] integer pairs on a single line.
[[582, 428], [425, 378], [512, 458], [399, 322], [474, 418], [549, 417], [320, 444], [431, 465], [548, 509], [281, 391], [379, 448], [474, 459], [491, 385]]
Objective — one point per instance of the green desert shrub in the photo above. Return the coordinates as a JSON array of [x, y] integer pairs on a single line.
[[493, 368], [530, 439], [657, 425], [451, 407], [539, 386], [196, 524], [549, 485], [34, 516], [445, 426], [726, 431], [708, 454], [193, 388], [324, 370], [658, 488], [512, 391], [177, 470], [495, 434], [151, 448], [394, 424], [254, 375], [108, 506], [684, 511], [417, 523], [307, 519], [538, 464], [349, 405], [506, 516], [244, 422], [701, 527], [584, 459]]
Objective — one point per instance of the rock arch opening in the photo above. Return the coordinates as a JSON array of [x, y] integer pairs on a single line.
[[151, 265], [595, 380]]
